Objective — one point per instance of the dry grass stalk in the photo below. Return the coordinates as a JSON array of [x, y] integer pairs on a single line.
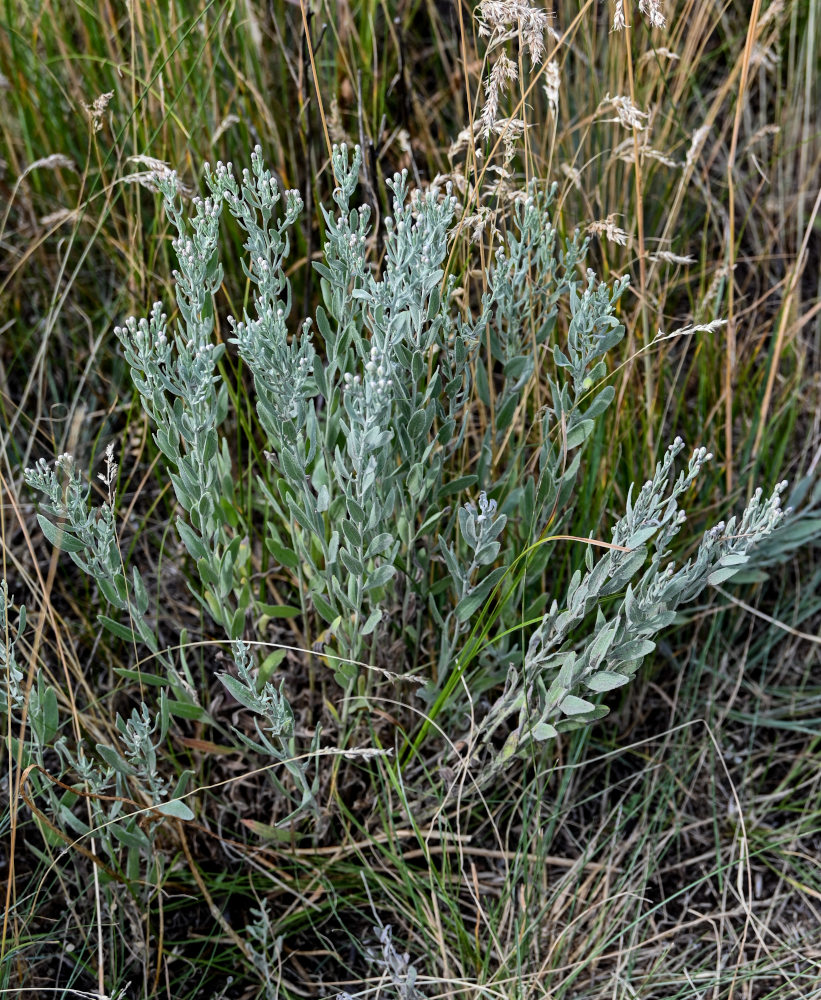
[[608, 228], [500, 21], [96, 110]]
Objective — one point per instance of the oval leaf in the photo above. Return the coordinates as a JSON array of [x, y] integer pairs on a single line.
[[576, 706], [175, 808], [606, 680], [59, 538]]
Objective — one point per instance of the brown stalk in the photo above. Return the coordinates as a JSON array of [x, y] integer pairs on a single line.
[[730, 355], [786, 310]]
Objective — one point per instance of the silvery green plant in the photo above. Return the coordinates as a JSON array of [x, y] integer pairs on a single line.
[[479, 530], [577, 396], [141, 736], [364, 438], [275, 733], [105, 818], [597, 639], [30, 722], [395, 965], [89, 534], [12, 694], [175, 373], [530, 277], [352, 447], [125, 794], [264, 949], [368, 413]]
